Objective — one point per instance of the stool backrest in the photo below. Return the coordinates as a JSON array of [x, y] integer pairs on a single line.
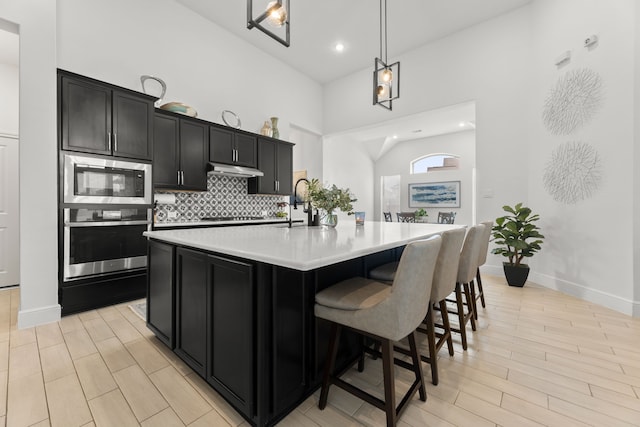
[[411, 289], [387, 217], [484, 247], [406, 216], [469, 255], [446, 270], [446, 217]]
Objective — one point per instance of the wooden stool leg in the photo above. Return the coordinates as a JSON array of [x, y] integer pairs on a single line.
[[433, 351], [471, 313], [480, 290], [446, 325], [361, 360], [329, 364], [417, 364], [461, 321], [472, 288], [389, 388]]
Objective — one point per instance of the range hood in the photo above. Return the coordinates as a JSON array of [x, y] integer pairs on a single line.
[[232, 170]]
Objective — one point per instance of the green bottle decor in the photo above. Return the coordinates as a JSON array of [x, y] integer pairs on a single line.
[[275, 133]]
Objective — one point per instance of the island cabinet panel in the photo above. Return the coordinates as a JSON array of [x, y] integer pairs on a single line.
[[191, 308], [160, 291], [102, 119], [231, 363], [232, 147]]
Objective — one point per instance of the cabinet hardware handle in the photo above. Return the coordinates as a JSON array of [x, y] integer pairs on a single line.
[[115, 142], [182, 177], [178, 177], [109, 141]]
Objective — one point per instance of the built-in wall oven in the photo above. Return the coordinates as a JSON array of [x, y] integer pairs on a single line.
[[107, 207], [99, 241]]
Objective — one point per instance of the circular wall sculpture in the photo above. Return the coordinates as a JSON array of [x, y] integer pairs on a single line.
[[573, 102], [573, 173]]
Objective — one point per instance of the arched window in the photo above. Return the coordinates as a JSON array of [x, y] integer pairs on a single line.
[[434, 162]]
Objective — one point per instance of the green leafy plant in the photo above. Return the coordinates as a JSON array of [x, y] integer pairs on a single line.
[[330, 198], [516, 234], [420, 213]]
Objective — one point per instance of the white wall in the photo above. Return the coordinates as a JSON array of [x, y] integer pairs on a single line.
[[636, 170], [9, 81], [583, 254], [397, 160], [347, 164], [507, 66], [203, 65], [38, 214]]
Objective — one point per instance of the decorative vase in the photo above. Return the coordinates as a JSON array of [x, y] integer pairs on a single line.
[[516, 276], [329, 219], [275, 133], [266, 129]]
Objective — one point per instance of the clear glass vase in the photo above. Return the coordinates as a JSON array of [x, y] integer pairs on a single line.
[[329, 219]]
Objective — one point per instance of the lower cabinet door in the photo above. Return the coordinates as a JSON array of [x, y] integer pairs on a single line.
[[231, 367], [191, 308], [160, 291]]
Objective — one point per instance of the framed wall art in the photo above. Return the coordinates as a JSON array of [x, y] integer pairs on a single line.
[[435, 195]]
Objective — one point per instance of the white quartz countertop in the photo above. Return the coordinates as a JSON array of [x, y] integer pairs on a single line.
[[187, 224], [300, 247]]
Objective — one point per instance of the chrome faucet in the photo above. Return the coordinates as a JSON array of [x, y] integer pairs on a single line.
[[308, 210]]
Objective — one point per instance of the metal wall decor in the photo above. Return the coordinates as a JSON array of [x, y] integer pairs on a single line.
[[573, 172], [386, 77], [276, 15], [573, 102], [163, 87]]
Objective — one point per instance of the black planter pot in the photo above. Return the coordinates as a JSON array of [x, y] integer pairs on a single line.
[[516, 276]]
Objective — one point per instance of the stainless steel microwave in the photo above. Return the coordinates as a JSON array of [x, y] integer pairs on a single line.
[[105, 181]]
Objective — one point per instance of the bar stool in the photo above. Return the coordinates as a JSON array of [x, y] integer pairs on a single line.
[[482, 258], [466, 274], [386, 314]]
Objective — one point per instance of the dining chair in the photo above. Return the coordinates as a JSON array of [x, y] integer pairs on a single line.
[[446, 217], [387, 217], [406, 216], [386, 314], [482, 258]]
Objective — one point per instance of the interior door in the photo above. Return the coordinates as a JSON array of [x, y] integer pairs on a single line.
[[9, 220]]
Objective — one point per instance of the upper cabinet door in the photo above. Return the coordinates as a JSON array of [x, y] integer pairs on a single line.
[[221, 149], [132, 126], [246, 150], [86, 117], [285, 168], [166, 157], [194, 138], [267, 151]]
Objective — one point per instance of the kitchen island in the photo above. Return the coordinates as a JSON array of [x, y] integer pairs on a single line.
[[236, 303]]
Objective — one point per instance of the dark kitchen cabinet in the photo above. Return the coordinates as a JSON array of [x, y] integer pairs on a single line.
[[275, 160], [191, 308], [231, 363], [232, 147], [160, 291], [102, 119], [180, 152]]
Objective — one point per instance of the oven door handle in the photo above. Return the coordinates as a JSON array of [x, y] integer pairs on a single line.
[[105, 223]]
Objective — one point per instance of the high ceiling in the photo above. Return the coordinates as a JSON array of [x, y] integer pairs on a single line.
[[316, 27]]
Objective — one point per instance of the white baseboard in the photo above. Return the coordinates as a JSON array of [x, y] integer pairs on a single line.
[[39, 316], [605, 299]]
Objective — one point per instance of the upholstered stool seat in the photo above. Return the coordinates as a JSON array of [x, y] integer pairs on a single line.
[[385, 272], [386, 314]]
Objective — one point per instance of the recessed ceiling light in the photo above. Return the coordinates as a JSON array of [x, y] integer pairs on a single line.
[[339, 47], [395, 136], [461, 124]]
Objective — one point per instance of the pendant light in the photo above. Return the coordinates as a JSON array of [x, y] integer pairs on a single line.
[[275, 15], [386, 77]]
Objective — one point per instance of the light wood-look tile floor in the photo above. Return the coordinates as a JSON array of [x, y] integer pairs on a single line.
[[539, 358]]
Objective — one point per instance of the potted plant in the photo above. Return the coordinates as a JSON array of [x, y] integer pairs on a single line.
[[517, 237], [420, 214], [328, 199]]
